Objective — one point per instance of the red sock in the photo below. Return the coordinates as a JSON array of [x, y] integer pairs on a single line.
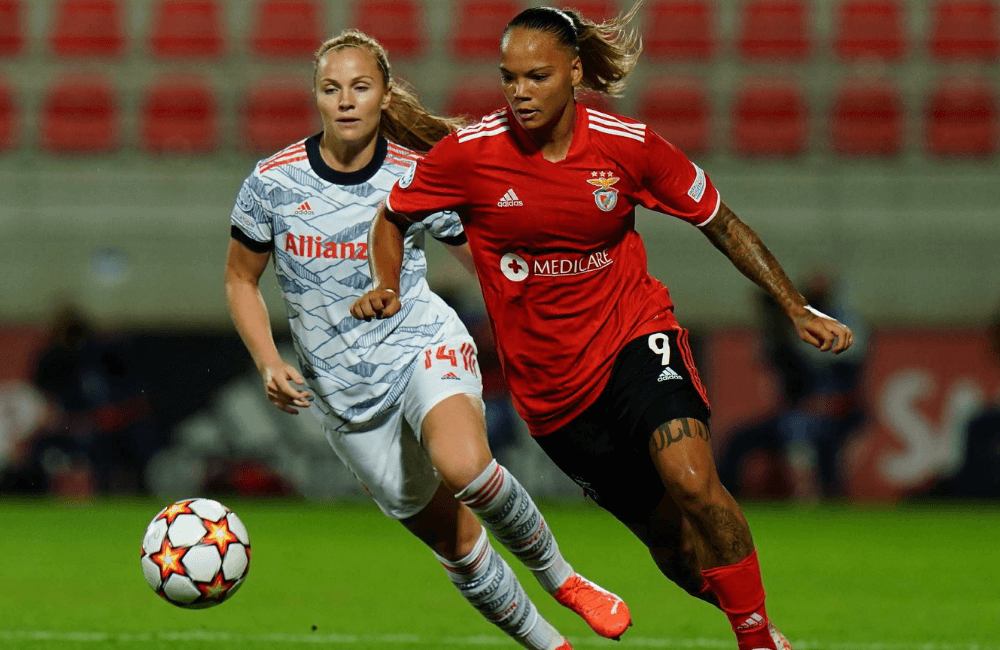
[[741, 596]]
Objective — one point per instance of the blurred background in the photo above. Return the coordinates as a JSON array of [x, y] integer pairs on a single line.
[[858, 137]]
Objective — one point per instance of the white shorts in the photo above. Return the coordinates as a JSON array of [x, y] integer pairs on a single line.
[[385, 454]]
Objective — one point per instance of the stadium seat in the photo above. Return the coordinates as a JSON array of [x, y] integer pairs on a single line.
[[80, 115], [397, 24], [9, 124], [680, 29], [769, 118], [774, 30], [477, 27], [964, 29], [287, 29], [11, 28], [595, 10], [870, 30], [474, 97], [680, 111], [276, 114], [187, 29], [179, 116], [961, 118], [87, 28], [866, 119]]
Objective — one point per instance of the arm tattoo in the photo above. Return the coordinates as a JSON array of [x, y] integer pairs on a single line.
[[743, 247], [676, 431]]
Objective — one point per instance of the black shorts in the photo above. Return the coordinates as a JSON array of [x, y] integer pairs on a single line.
[[606, 448]]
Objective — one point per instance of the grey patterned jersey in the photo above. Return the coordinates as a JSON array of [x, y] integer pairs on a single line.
[[315, 222]]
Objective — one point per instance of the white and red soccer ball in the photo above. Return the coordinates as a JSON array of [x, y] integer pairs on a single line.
[[196, 553]]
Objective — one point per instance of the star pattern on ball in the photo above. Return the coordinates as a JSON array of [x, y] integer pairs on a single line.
[[168, 559], [217, 589], [174, 510], [219, 535]]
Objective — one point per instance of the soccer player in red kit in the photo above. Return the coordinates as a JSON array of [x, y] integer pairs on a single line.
[[597, 363]]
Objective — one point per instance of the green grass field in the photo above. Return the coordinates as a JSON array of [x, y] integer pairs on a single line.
[[838, 578]]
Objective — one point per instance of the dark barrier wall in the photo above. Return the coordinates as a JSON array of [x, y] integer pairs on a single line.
[[182, 412]]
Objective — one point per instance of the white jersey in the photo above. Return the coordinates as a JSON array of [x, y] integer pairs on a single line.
[[315, 222]]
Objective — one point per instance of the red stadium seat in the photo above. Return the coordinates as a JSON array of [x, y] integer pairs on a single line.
[[964, 29], [472, 98], [397, 24], [769, 118], [680, 111], [598, 11], [179, 116], [11, 28], [276, 114], [80, 115], [870, 29], [680, 29], [478, 26], [187, 29], [87, 28], [961, 119], [774, 30], [287, 29], [9, 124], [866, 119]]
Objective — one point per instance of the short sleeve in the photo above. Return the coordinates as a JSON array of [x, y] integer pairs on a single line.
[[445, 227], [433, 184], [251, 223], [674, 185]]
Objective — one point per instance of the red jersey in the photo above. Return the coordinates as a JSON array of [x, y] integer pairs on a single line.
[[562, 268]]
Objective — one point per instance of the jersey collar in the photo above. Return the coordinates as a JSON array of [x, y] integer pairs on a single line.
[[330, 174]]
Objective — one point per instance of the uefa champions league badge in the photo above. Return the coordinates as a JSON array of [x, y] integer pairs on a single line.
[[605, 196]]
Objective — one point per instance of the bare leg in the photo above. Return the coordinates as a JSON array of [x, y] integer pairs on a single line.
[[682, 454], [454, 434], [672, 542]]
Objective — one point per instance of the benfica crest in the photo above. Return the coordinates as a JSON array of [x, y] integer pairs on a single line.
[[605, 196]]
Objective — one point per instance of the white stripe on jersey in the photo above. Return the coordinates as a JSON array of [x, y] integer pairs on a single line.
[[624, 134], [636, 127], [483, 134], [495, 118]]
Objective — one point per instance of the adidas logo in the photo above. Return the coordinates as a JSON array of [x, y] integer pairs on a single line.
[[449, 375], [304, 209], [510, 200], [668, 374], [755, 620]]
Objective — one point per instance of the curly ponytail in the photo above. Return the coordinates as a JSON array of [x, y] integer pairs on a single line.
[[608, 51], [405, 122]]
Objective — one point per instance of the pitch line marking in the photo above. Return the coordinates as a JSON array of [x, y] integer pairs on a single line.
[[466, 641]]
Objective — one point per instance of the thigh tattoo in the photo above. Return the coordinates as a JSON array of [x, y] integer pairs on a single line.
[[676, 431]]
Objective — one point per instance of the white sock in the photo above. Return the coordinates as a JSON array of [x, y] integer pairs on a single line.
[[490, 586], [506, 509]]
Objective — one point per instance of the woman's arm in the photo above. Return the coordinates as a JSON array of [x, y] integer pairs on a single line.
[[249, 313], [747, 252], [385, 259]]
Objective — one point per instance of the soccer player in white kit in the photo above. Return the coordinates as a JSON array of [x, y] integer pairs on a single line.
[[399, 399]]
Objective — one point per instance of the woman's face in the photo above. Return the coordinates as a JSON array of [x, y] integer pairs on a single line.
[[351, 94], [539, 75]]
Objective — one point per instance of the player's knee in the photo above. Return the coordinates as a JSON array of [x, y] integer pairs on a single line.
[[692, 490]]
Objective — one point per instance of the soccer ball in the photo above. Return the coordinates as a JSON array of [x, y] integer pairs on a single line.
[[196, 553]]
